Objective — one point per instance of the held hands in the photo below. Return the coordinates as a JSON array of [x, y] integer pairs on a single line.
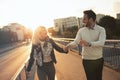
[[66, 48], [81, 43]]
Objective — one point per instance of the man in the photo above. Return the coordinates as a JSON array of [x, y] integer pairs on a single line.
[[92, 38]]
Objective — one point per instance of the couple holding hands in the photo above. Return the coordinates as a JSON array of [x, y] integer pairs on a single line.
[[91, 37]]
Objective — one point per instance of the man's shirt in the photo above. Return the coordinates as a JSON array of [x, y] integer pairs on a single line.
[[95, 36]]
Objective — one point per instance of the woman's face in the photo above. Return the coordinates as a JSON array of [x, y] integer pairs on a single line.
[[43, 34]]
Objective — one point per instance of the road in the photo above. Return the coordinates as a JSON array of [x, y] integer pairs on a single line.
[[68, 67], [12, 60]]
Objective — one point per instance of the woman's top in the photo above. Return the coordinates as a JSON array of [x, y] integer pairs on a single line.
[[43, 52]]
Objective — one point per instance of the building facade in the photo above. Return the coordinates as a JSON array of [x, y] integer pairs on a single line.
[[16, 28], [62, 24], [98, 17], [118, 16]]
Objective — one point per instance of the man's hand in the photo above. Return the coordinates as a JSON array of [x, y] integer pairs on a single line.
[[83, 43]]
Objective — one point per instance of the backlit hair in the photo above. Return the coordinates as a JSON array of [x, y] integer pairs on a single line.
[[36, 36]]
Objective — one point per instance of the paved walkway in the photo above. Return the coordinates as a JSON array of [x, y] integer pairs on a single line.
[[108, 74]]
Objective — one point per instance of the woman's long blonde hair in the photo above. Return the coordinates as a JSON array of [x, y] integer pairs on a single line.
[[36, 36]]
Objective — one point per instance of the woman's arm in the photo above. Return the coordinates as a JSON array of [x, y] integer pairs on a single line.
[[31, 60], [57, 47]]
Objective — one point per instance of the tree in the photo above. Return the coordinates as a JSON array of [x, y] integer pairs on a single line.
[[109, 23], [118, 28], [71, 32], [6, 37], [52, 31]]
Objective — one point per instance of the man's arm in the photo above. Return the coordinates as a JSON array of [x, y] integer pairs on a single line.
[[76, 40], [101, 40]]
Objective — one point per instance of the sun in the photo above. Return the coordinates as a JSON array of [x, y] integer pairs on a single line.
[[36, 23], [33, 28]]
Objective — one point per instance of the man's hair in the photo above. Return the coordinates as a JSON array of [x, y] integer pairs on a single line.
[[90, 14]]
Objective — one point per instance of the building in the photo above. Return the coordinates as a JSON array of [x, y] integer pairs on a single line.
[[80, 23], [98, 17], [16, 28], [118, 16], [62, 24]]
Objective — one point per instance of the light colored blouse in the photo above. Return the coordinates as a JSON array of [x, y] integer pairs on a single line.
[[46, 51]]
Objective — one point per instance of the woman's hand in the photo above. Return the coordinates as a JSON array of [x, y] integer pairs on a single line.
[[66, 49], [27, 74]]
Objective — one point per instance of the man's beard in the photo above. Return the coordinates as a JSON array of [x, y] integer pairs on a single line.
[[86, 24]]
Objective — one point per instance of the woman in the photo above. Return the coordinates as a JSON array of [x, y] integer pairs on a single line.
[[43, 52]]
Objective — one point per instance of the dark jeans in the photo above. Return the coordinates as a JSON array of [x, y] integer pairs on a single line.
[[46, 72], [93, 69]]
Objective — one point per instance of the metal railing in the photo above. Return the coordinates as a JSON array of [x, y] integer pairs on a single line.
[[111, 51], [21, 72], [111, 54]]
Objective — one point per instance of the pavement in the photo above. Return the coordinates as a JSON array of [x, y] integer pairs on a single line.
[[108, 73], [7, 47]]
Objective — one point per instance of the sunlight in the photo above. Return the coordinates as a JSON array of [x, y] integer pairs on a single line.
[[40, 14], [33, 25]]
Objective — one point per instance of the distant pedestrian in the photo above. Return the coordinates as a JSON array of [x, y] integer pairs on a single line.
[[43, 52], [92, 38]]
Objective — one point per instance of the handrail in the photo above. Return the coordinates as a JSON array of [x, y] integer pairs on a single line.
[[108, 40], [111, 52], [19, 70], [72, 39]]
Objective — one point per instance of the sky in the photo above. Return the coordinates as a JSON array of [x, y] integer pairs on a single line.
[[33, 13]]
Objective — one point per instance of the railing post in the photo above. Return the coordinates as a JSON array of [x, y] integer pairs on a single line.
[[114, 44], [20, 76]]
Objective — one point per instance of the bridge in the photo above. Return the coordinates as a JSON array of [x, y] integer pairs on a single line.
[[14, 58]]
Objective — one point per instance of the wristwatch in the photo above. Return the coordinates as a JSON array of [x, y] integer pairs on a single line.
[[89, 44]]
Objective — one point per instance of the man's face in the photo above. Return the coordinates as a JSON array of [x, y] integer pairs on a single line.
[[86, 20]]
